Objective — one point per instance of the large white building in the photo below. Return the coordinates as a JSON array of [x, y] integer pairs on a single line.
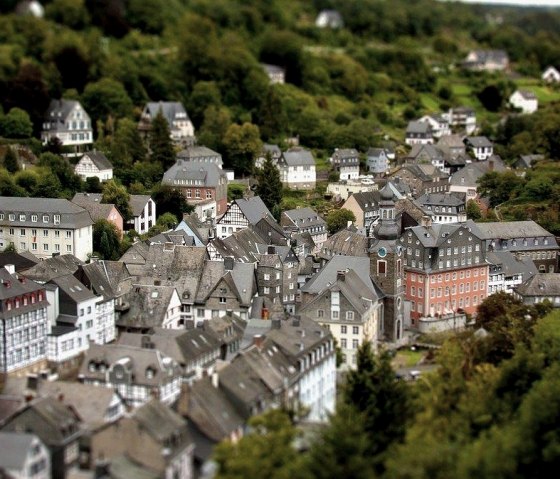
[[24, 324], [525, 101], [45, 226]]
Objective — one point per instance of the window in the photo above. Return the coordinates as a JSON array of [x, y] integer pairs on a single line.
[[355, 330], [222, 300], [34, 246], [343, 343], [343, 330], [208, 194], [320, 313], [69, 234], [22, 232], [266, 277], [334, 314], [350, 315], [45, 233], [382, 267], [45, 218], [45, 247], [197, 194], [355, 344], [57, 247], [57, 233], [12, 217], [200, 312], [56, 219], [266, 290], [81, 311], [89, 309]]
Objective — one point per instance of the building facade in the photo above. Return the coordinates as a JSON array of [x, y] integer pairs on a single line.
[[45, 226]]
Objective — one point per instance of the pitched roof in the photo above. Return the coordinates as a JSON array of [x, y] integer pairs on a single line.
[[509, 230], [367, 200], [160, 422], [147, 306], [418, 127], [194, 152], [512, 265], [346, 243], [73, 289], [171, 110], [328, 274], [478, 142], [54, 267], [209, 174], [137, 203], [97, 211], [541, 284], [440, 199], [253, 208], [19, 260], [303, 217], [15, 447], [99, 160], [298, 156], [60, 109], [71, 215]]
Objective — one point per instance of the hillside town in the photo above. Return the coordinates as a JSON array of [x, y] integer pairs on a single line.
[[163, 289]]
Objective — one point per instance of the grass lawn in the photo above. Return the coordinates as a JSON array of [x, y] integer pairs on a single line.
[[405, 358], [429, 102], [544, 93]]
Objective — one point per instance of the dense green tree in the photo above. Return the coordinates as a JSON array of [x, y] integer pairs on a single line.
[[118, 195], [10, 161], [126, 145], [161, 145], [338, 219], [106, 97], [269, 186], [28, 180], [204, 95], [242, 144], [216, 122], [8, 186], [473, 210], [381, 399], [16, 124], [170, 201], [93, 185], [71, 13], [499, 187], [235, 191], [69, 182], [106, 240], [266, 451]]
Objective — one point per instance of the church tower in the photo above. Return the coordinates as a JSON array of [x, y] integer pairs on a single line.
[[387, 267]]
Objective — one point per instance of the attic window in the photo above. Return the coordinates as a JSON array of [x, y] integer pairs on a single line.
[[155, 294], [150, 373]]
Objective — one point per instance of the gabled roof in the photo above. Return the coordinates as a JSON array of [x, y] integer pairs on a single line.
[[99, 160], [137, 203], [194, 152], [96, 209], [253, 208], [73, 289], [512, 265], [376, 152], [451, 141], [303, 217], [367, 200], [527, 94], [208, 174], [478, 142], [71, 215], [60, 109], [525, 161], [328, 274], [148, 306], [104, 277], [509, 230], [21, 261], [15, 448], [162, 423], [298, 156], [171, 110], [241, 280], [440, 199], [432, 151], [418, 127], [346, 243], [54, 267], [541, 284]]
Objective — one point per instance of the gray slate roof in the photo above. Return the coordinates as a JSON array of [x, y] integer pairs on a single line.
[[169, 109], [14, 449], [510, 264], [541, 284], [508, 230], [298, 156], [54, 267], [137, 203], [99, 160], [328, 274], [418, 127], [304, 217], [478, 142], [208, 173], [71, 215], [253, 208]]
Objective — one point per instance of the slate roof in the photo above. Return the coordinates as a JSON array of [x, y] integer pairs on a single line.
[[208, 173], [241, 280], [141, 359], [432, 151], [298, 156], [183, 346], [122, 467], [347, 154], [200, 229], [16, 288], [274, 150], [540, 284], [212, 411], [73, 288], [526, 161], [478, 142], [15, 447], [527, 94], [169, 109], [436, 234], [71, 215], [346, 243], [328, 274], [253, 208], [54, 267], [104, 277], [440, 199], [147, 306], [369, 198], [469, 175], [90, 402], [508, 230], [59, 110], [510, 264], [193, 152], [137, 203], [375, 152], [418, 127], [304, 217], [97, 211], [160, 422], [99, 160], [451, 141]]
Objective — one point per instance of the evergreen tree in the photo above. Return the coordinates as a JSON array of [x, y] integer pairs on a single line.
[[269, 186], [117, 195], [161, 146], [106, 240], [381, 398], [11, 161]]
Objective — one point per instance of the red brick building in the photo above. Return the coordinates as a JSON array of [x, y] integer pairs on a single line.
[[445, 268]]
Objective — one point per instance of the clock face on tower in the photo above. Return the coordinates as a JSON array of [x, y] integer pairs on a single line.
[[382, 252]]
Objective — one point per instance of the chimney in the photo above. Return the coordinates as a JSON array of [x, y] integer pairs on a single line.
[[271, 249], [32, 382], [341, 275], [276, 324], [258, 340], [228, 263], [10, 268]]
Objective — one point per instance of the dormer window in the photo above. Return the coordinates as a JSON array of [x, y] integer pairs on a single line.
[[45, 218], [150, 373], [92, 367]]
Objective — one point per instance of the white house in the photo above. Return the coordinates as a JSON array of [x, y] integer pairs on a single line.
[[419, 133], [439, 124], [276, 74], [297, 169], [551, 75], [377, 160], [181, 128], [240, 214], [329, 19], [481, 147], [524, 100], [94, 164], [143, 213], [45, 226], [69, 122], [347, 162]]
